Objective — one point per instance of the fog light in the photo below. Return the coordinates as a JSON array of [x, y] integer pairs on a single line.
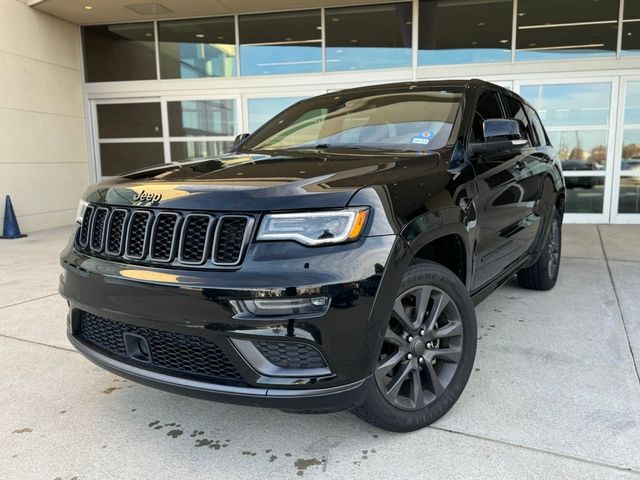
[[286, 306]]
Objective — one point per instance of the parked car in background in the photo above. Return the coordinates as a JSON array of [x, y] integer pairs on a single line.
[[331, 262]]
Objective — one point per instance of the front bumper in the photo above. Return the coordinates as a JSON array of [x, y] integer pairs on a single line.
[[200, 303]]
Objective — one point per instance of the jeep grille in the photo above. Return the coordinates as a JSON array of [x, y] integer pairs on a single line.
[[150, 236]]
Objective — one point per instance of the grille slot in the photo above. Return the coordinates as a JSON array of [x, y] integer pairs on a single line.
[[85, 229], [164, 236], [138, 230], [116, 231], [98, 228], [185, 354], [231, 238], [146, 236], [291, 354], [195, 238]]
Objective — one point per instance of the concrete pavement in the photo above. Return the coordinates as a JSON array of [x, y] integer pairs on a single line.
[[554, 393]]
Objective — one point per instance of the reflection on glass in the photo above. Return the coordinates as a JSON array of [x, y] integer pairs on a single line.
[[197, 48], [183, 151], [129, 120], [631, 38], [629, 197], [118, 158], [201, 118], [119, 52], [631, 149], [278, 43], [373, 36], [571, 104], [580, 150], [464, 32], [632, 104], [263, 109], [584, 194], [548, 29]]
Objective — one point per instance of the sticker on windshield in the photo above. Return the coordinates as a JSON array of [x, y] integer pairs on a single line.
[[422, 138]]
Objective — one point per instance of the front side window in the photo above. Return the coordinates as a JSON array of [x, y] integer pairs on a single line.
[[488, 107], [516, 111], [399, 121]]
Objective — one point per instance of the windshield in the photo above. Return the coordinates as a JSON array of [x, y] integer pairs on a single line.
[[408, 121]]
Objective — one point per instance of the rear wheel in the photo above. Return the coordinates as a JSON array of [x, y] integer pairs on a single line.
[[427, 353], [543, 274]]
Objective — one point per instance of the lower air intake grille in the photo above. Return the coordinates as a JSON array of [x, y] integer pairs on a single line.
[[291, 354], [186, 354]]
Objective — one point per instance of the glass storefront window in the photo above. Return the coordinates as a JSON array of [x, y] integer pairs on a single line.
[[119, 52], [631, 28], [129, 120], [632, 104], [458, 31], [263, 109], [279, 43], [184, 151], [117, 158], [373, 36], [570, 104], [197, 48], [201, 118], [548, 29], [584, 194], [580, 149], [629, 196], [631, 150]]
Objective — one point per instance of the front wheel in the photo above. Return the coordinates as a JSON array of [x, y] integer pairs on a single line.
[[427, 353], [543, 274]]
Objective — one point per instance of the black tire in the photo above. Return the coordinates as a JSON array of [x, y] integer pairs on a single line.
[[543, 274], [449, 355]]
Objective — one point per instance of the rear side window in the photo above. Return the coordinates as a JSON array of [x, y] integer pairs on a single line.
[[537, 125], [488, 107], [516, 111]]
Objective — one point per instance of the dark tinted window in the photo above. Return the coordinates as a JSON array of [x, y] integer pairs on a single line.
[[276, 43], [516, 111], [374, 36], [119, 52], [129, 120], [117, 158], [488, 107], [566, 29], [197, 48], [464, 32]]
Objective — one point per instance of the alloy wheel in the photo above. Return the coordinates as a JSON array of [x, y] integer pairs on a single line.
[[554, 249], [422, 348]]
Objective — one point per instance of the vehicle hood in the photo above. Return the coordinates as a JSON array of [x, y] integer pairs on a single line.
[[258, 182]]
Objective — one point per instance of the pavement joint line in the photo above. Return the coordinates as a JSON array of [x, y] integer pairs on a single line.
[[540, 450], [27, 301], [624, 323], [33, 342]]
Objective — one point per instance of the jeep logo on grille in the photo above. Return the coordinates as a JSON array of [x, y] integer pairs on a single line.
[[147, 197]]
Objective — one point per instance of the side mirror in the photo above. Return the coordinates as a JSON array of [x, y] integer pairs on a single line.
[[501, 129], [501, 135], [239, 139]]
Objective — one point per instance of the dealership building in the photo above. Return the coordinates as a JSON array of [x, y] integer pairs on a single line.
[[92, 88]]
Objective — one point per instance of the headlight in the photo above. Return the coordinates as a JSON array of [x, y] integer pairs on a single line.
[[82, 206], [314, 228]]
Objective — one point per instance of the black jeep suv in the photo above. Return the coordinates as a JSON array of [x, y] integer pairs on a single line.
[[332, 261]]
